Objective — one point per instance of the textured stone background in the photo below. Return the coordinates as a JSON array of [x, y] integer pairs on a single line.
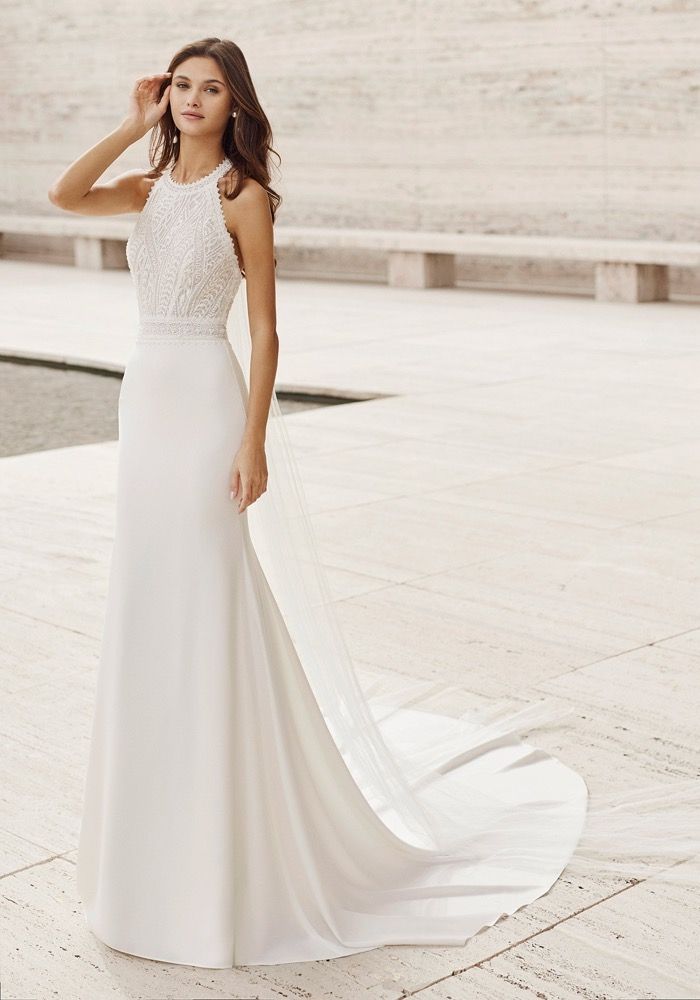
[[508, 116]]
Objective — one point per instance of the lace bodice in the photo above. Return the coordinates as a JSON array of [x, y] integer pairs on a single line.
[[182, 258]]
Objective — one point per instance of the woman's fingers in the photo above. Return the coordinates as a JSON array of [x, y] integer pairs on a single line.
[[235, 483], [249, 493], [246, 492], [150, 82], [248, 480]]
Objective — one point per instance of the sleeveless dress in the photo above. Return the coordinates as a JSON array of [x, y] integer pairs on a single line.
[[220, 825]]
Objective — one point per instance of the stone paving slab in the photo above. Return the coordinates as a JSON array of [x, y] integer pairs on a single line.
[[518, 519]]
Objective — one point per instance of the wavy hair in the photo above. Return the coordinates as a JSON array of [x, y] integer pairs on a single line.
[[247, 138]]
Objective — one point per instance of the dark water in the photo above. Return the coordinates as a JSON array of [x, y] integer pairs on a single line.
[[45, 406]]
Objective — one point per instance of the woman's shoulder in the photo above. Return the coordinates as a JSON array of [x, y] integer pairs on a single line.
[[143, 181], [249, 187], [249, 203], [245, 204]]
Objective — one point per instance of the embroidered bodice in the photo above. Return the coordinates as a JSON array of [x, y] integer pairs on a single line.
[[183, 259]]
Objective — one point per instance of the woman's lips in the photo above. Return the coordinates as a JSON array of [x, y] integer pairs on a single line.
[[188, 114]]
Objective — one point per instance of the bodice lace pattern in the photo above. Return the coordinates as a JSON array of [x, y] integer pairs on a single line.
[[183, 259]]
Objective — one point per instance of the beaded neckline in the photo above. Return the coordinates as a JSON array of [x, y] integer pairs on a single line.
[[198, 183]]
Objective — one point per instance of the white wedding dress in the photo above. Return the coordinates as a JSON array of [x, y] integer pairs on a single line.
[[226, 819]]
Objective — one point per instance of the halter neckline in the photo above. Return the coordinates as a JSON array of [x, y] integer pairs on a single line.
[[194, 184]]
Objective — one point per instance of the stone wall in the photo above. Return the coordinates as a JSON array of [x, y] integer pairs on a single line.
[[512, 116]]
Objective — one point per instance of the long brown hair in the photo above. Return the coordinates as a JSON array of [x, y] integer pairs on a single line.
[[247, 139]]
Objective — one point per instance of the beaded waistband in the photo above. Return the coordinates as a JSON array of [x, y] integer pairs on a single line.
[[176, 328]]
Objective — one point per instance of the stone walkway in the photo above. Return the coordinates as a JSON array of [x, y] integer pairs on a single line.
[[519, 515]]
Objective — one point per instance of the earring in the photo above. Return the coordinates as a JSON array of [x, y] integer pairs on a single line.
[[233, 114], [175, 138]]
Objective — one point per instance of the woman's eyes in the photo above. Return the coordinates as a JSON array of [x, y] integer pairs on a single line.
[[214, 89]]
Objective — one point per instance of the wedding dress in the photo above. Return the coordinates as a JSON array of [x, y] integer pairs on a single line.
[[247, 800]]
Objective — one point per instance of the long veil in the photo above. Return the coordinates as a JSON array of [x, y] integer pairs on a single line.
[[444, 783]]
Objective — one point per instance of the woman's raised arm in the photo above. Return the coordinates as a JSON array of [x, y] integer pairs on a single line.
[[76, 190]]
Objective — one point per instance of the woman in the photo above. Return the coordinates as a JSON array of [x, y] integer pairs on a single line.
[[246, 802]]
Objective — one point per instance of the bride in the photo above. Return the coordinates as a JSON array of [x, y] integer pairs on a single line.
[[247, 799]]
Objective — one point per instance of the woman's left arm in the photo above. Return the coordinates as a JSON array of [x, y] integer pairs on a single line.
[[249, 218]]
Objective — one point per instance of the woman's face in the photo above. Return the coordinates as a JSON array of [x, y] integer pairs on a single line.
[[198, 87]]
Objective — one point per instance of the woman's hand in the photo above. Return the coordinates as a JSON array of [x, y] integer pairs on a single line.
[[145, 109], [248, 475]]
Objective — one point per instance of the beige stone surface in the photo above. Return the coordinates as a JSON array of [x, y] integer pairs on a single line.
[[562, 117], [629, 945], [517, 520]]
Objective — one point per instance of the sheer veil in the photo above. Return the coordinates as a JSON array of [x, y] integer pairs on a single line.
[[443, 783]]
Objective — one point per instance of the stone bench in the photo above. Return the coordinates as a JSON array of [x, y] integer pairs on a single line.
[[625, 270], [98, 240]]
